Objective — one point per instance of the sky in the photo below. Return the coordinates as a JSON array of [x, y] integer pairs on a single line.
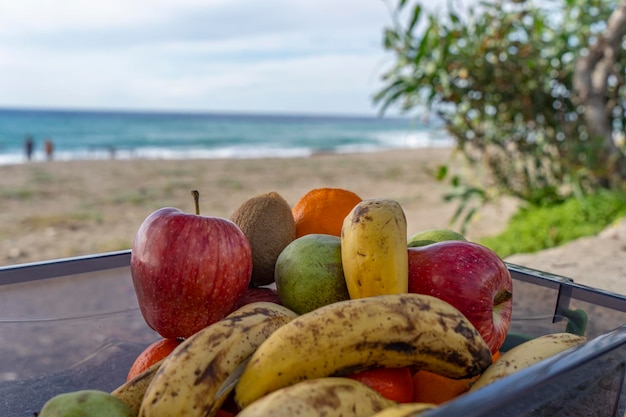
[[270, 56]]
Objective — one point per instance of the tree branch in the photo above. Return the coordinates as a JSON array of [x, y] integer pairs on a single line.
[[591, 77]]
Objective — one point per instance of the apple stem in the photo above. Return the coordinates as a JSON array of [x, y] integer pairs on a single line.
[[502, 297], [196, 200]]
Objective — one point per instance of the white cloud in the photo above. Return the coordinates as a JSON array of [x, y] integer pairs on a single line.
[[235, 55]]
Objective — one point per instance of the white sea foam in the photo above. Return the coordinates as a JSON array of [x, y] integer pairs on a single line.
[[386, 142]]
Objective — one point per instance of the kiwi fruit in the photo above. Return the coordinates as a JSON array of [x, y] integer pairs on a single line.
[[268, 223]]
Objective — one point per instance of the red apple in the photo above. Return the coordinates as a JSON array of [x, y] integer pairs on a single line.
[[472, 278], [188, 271]]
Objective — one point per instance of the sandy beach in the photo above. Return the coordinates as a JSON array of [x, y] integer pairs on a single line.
[[57, 209]]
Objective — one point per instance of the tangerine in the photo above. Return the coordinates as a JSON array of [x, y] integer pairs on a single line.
[[433, 388], [395, 384], [151, 355], [322, 210]]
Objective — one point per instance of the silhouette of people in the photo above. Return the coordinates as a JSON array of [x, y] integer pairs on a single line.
[[29, 144], [49, 148]]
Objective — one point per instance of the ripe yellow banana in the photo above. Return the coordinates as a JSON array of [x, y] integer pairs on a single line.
[[391, 330], [190, 380], [133, 391], [405, 410], [526, 354], [374, 250], [320, 397]]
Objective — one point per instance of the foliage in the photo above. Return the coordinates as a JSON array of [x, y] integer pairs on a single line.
[[500, 77], [537, 228]]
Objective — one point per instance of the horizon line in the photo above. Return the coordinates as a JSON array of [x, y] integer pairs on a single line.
[[200, 112]]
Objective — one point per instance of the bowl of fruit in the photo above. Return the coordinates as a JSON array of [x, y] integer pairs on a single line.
[[263, 313]]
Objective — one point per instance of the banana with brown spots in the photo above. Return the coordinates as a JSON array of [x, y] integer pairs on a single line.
[[133, 391], [330, 397], [338, 339], [374, 252], [526, 354], [193, 380], [405, 410]]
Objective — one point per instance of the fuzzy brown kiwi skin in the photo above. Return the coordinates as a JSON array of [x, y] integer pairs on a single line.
[[268, 223]]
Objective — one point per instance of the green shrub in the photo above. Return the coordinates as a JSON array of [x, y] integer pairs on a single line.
[[537, 228], [503, 77]]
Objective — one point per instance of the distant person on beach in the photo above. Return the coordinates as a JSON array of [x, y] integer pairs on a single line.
[[29, 144], [49, 147]]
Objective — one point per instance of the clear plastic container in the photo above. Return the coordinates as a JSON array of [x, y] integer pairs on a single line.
[[66, 325], [74, 324]]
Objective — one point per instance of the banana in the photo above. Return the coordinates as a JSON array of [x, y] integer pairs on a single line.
[[133, 391], [193, 379], [390, 330], [332, 396], [526, 354], [405, 410], [374, 250]]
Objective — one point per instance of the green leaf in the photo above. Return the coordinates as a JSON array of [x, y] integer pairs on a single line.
[[423, 46], [391, 98], [454, 18], [417, 12], [468, 218], [442, 171], [390, 38]]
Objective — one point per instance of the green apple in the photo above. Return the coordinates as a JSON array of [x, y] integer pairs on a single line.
[[426, 237], [85, 403], [309, 273]]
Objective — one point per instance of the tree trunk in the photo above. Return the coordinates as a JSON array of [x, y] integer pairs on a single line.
[[591, 77]]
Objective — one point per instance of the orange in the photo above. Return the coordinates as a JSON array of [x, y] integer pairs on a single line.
[[436, 389], [322, 210], [392, 383], [151, 355]]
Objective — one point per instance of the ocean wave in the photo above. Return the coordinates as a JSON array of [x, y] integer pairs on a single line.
[[386, 142], [133, 138]]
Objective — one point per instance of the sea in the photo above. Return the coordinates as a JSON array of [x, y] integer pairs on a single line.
[[85, 135]]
